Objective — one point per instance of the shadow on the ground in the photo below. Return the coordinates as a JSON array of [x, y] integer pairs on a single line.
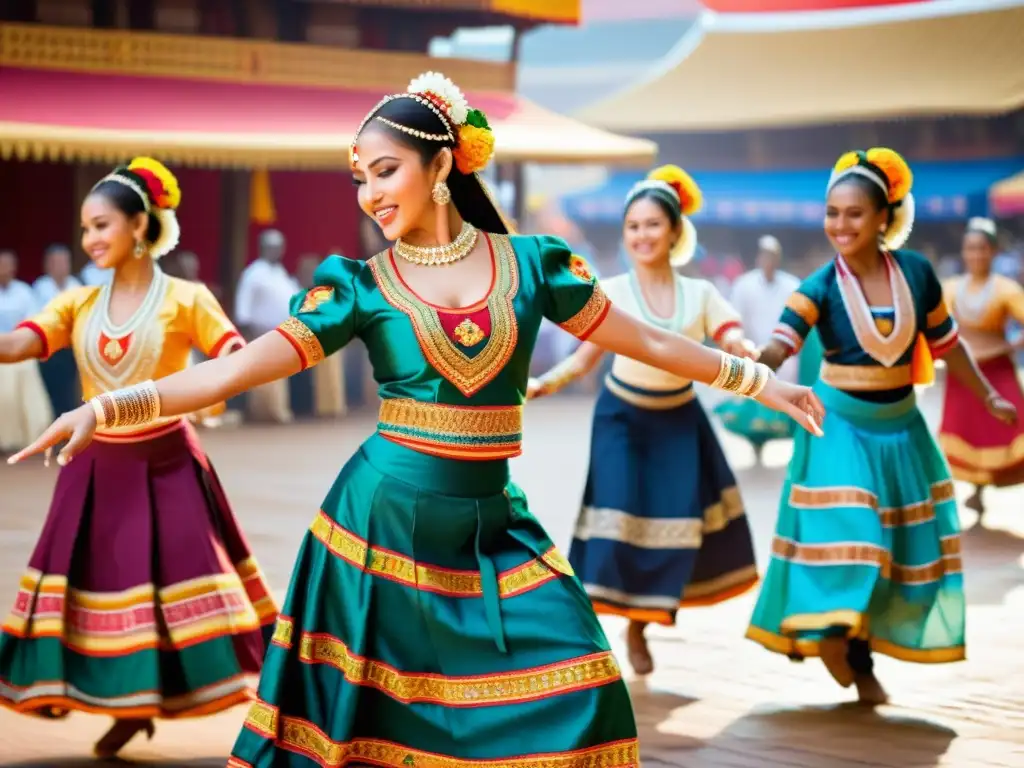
[[991, 564], [839, 736], [653, 707]]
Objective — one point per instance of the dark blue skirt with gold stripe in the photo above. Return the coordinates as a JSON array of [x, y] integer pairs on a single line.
[[662, 523]]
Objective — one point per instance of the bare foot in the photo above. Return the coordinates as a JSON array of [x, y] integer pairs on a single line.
[[833, 656], [870, 692], [639, 654], [120, 733]]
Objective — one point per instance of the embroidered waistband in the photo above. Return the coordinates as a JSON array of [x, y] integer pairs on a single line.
[[649, 399], [457, 432], [866, 378]]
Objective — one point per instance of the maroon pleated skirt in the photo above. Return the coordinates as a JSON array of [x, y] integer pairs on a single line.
[[980, 448], [142, 597]]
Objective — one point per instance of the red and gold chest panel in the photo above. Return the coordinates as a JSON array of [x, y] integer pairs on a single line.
[[114, 356], [468, 346]]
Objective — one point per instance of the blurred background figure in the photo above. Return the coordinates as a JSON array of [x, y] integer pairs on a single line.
[[60, 372], [24, 405], [261, 304]]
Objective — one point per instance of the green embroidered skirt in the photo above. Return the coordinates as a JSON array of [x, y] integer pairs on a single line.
[[429, 622]]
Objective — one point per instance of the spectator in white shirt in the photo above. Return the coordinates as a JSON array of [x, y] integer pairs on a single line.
[[60, 374], [759, 296], [261, 304], [25, 410]]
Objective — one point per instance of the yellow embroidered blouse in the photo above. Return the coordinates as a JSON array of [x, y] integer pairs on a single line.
[[984, 312], [174, 317]]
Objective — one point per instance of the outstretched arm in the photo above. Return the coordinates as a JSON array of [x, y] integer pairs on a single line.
[[20, 344], [622, 334], [575, 366], [268, 358], [962, 367], [775, 353]]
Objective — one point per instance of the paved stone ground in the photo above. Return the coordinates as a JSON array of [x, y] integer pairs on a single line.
[[715, 701]]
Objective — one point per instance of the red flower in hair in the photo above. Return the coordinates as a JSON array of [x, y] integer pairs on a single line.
[[154, 186]]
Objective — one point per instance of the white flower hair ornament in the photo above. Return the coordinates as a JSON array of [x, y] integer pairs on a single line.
[[466, 128]]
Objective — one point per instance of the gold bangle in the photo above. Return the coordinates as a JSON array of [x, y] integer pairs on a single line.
[[134, 406], [762, 373], [731, 373]]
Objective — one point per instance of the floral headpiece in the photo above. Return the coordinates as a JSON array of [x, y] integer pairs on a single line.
[[676, 187], [888, 170], [466, 129], [160, 194]]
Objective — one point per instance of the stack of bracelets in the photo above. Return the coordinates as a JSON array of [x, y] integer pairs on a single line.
[[742, 376], [134, 406]]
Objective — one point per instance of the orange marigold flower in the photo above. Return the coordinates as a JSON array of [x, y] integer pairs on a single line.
[[896, 171], [475, 148]]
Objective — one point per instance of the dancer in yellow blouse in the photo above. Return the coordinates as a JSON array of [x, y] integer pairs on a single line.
[[142, 599], [980, 448]]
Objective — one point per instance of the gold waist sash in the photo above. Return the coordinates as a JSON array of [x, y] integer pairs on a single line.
[[866, 378], [477, 433]]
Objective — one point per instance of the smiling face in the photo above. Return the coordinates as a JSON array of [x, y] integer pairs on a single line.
[[395, 185], [648, 233], [853, 219], [108, 235], [978, 251]]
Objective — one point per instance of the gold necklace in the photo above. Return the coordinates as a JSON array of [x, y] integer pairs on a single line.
[[435, 255]]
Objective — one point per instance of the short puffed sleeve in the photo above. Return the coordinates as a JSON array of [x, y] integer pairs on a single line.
[[572, 296], [324, 318], [55, 323], [720, 317], [213, 333], [803, 309], [940, 328]]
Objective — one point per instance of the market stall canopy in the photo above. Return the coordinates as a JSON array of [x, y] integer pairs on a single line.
[[1007, 196], [947, 191], [102, 96], [750, 70]]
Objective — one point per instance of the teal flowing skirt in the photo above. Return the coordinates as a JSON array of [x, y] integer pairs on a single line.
[[758, 423], [867, 543], [431, 622]]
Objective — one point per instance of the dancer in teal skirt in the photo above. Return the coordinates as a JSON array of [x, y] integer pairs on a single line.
[[866, 555], [430, 621]]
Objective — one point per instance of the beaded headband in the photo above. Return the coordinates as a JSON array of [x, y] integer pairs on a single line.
[[132, 185], [860, 170]]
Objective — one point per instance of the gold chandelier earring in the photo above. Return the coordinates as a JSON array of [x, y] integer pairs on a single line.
[[140, 249]]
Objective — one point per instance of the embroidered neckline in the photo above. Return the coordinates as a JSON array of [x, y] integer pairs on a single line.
[[886, 350], [469, 374], [142, 331]]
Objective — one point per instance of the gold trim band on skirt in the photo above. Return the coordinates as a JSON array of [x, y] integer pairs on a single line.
[[866, 378], [451, 431]]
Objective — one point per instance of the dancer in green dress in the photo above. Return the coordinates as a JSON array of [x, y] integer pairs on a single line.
[[430, 621]]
